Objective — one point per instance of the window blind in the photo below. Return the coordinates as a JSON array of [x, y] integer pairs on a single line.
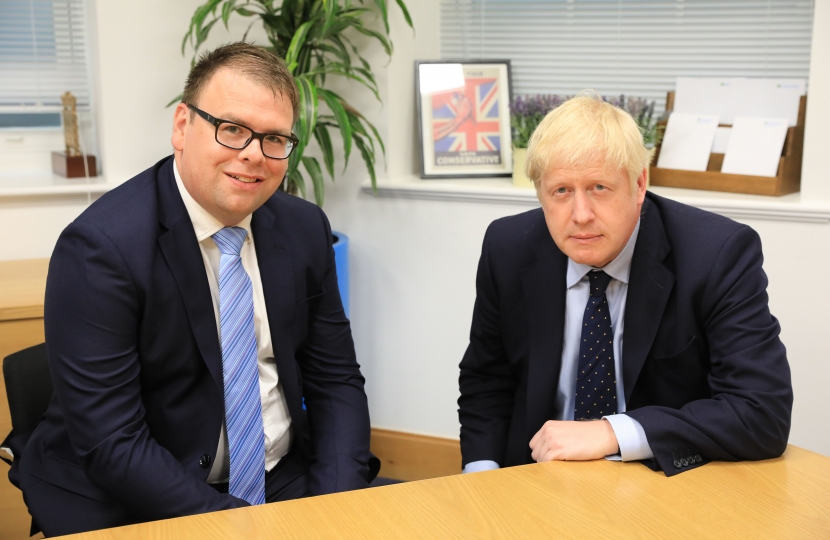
[[43, 53], [632, 47]]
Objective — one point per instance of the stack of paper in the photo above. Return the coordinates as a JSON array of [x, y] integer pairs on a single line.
[[759, 110], [755, 146], [721, 140], [687, 142], [734, 97]]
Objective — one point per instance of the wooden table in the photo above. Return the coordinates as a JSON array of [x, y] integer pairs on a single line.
[[22, 285], [788, 497]]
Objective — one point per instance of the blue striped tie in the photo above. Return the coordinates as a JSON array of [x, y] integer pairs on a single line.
[[243, 409]]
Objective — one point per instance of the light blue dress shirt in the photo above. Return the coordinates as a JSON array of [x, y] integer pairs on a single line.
[[630, 434]]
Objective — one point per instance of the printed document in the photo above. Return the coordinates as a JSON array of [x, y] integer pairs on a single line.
[[688, 142], [755, 146]]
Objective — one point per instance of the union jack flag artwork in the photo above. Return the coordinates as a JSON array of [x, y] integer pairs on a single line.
[[467, 121]]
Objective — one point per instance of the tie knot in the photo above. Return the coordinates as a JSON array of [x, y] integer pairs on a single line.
[[230, 239], [599, 282]]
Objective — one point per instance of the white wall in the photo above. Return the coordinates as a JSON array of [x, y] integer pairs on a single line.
[[815, 174], [413, 261], [138, 68]]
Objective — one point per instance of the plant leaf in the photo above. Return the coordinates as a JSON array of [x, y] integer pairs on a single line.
[[175, 100], [227, 9], [296, 178], [316, 174], [354, 112], [405, 13], [369, 159], [344, 53], [384, 13], [203, 33], [198, 19], [336, 52], [297, 43], [366, 75], [296, 158], [321, 133], [330, 14], [338, 69], [308, 108], [339, 112], [387, 45]]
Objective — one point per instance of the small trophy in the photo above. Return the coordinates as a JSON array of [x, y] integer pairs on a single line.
[[70, 163]]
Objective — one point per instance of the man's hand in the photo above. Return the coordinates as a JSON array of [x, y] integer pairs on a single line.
[[574, 441]]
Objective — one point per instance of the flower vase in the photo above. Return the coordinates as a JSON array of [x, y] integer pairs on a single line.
[[519, 178], [651, 152]]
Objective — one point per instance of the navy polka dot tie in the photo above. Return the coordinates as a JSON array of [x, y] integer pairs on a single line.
[[596, 380]]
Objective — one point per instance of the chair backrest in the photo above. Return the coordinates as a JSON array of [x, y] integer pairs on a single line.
[[28, 387]]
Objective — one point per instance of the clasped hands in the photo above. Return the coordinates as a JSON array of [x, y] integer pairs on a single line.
[[574, 441]]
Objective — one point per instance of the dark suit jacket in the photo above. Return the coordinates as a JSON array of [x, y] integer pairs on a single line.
[[137, 365], [704, 370]]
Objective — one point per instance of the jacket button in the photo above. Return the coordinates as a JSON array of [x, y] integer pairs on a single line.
[[698, 459], [684, 462], [204, 461], [677, 463]]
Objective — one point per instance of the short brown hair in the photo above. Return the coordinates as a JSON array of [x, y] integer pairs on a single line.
[[257, 63]]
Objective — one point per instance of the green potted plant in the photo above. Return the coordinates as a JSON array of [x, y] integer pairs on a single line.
[[312, 36]]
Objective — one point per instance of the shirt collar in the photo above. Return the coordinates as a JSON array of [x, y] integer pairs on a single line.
[[618, 269], [204, 224]]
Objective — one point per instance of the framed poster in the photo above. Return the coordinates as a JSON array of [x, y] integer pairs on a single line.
[[464, 118]]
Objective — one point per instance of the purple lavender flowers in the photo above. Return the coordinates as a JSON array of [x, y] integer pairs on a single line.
[[526, 112]]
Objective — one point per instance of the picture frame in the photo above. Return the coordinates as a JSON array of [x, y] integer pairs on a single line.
[[464, 118]]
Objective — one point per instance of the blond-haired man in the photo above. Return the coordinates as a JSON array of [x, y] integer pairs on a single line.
[[645, 319]]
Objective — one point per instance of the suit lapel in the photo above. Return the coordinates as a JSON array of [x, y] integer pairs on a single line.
[[649, 288], [544, 293], [180, 249], [274, 258]]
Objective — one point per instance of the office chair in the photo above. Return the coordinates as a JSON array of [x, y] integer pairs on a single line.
[[28, 389]]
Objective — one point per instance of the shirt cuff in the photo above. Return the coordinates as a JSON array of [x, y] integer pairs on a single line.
[[631, 438], [478, 466]]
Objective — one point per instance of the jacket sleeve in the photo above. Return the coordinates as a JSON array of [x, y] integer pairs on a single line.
[[338, 412], [748, 414], [487, 381], [92, 316]]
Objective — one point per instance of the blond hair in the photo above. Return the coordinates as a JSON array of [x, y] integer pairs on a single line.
[[583, 132]]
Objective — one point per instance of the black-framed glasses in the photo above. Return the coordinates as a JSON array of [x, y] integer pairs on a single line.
[[236, 136]]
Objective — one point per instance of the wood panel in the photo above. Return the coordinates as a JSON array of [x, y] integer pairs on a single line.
[[407, 456], [787, 497], [14, 518], [787, 179], [22, 285]]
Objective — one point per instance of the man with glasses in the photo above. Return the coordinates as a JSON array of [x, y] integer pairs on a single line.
[[199, 349]]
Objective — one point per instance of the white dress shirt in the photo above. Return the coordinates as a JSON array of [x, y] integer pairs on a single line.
[[630, 434], [276, 420]]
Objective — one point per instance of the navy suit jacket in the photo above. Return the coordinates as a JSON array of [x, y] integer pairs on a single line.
[[703, 368], [137, 365]]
